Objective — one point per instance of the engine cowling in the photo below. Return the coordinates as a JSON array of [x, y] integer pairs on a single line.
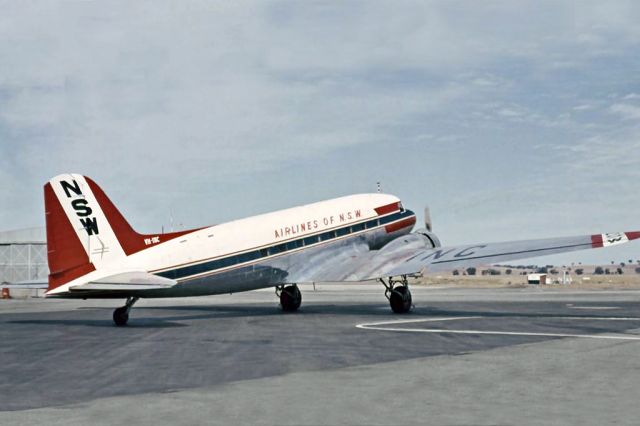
[[433, 238], [420, 239]]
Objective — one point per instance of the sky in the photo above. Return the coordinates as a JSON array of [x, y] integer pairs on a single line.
[[511, 120]]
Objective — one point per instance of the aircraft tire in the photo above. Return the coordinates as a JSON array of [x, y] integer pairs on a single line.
[[400, 300], [120, 317], [290, 298]]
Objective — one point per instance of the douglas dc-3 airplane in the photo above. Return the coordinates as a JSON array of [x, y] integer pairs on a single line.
[[94, 253]]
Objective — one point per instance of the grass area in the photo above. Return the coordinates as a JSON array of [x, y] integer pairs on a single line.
[[628, 280]]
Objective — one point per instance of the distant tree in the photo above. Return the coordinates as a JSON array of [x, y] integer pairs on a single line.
[[494, 272], [630, 261], [622, 264], [607, 271], [599, 270], [542, 270], [455, 272], [508, 271], [619, 271], [613, 262], [553, 271], [580, 271], [638, 270], [471, 271]]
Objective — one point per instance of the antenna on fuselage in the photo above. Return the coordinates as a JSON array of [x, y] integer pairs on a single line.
[[379, 187]]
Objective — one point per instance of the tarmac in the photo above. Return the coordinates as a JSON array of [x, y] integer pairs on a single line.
[[462, 357]]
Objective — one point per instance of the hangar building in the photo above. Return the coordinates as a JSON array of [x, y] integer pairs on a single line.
[[23, 255]]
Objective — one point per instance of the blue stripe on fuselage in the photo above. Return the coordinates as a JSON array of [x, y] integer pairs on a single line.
[[184, 272]]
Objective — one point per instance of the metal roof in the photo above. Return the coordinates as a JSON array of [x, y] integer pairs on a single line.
[[24, 236]]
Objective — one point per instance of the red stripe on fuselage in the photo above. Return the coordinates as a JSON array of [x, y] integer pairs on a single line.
[[389, 208], [410, 221]]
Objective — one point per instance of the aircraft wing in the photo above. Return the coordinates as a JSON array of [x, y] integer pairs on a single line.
[[412, 260], [358, 263]]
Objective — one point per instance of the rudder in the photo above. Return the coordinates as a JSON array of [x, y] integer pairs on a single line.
[[85, 231]]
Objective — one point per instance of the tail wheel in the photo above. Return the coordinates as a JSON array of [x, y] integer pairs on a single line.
[[121, 316], [400, 300], [290, 298]]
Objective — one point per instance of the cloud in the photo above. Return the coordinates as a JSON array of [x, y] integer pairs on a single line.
[[626, 111], [583, 107], [243, 99]]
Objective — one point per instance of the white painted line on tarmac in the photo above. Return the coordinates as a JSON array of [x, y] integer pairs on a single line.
[[377, 326], [594, 308], [416, 320], [600, 318]]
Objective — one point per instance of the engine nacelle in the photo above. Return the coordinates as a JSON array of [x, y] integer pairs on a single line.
[[420, 239], [433, 238]]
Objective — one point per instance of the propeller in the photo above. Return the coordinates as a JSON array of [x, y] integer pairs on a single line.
[[427, 219]]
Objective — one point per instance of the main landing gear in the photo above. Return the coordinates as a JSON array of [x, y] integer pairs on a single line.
[[121, 315], [290, 297], [398, 294]]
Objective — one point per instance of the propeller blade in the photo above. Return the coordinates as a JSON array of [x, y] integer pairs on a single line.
[[427, 219]]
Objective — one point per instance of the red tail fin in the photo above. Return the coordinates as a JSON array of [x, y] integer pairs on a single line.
[[85, 231], [67, 257], [130, 240]]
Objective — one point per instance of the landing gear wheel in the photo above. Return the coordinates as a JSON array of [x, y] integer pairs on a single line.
[[121, 316], [290, 298], [400, 300], [398, 294]]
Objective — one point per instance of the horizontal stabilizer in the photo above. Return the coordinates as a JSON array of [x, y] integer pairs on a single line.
[[138, 280]]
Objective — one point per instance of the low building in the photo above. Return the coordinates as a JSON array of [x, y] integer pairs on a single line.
[[23, 255], [537, 279]]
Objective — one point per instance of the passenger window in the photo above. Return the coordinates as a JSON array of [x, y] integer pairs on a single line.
[[277, 249], [327, 236], [310, 240], [386, 219]]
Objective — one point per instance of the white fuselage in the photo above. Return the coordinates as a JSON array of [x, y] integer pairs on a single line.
[[264, 250]]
